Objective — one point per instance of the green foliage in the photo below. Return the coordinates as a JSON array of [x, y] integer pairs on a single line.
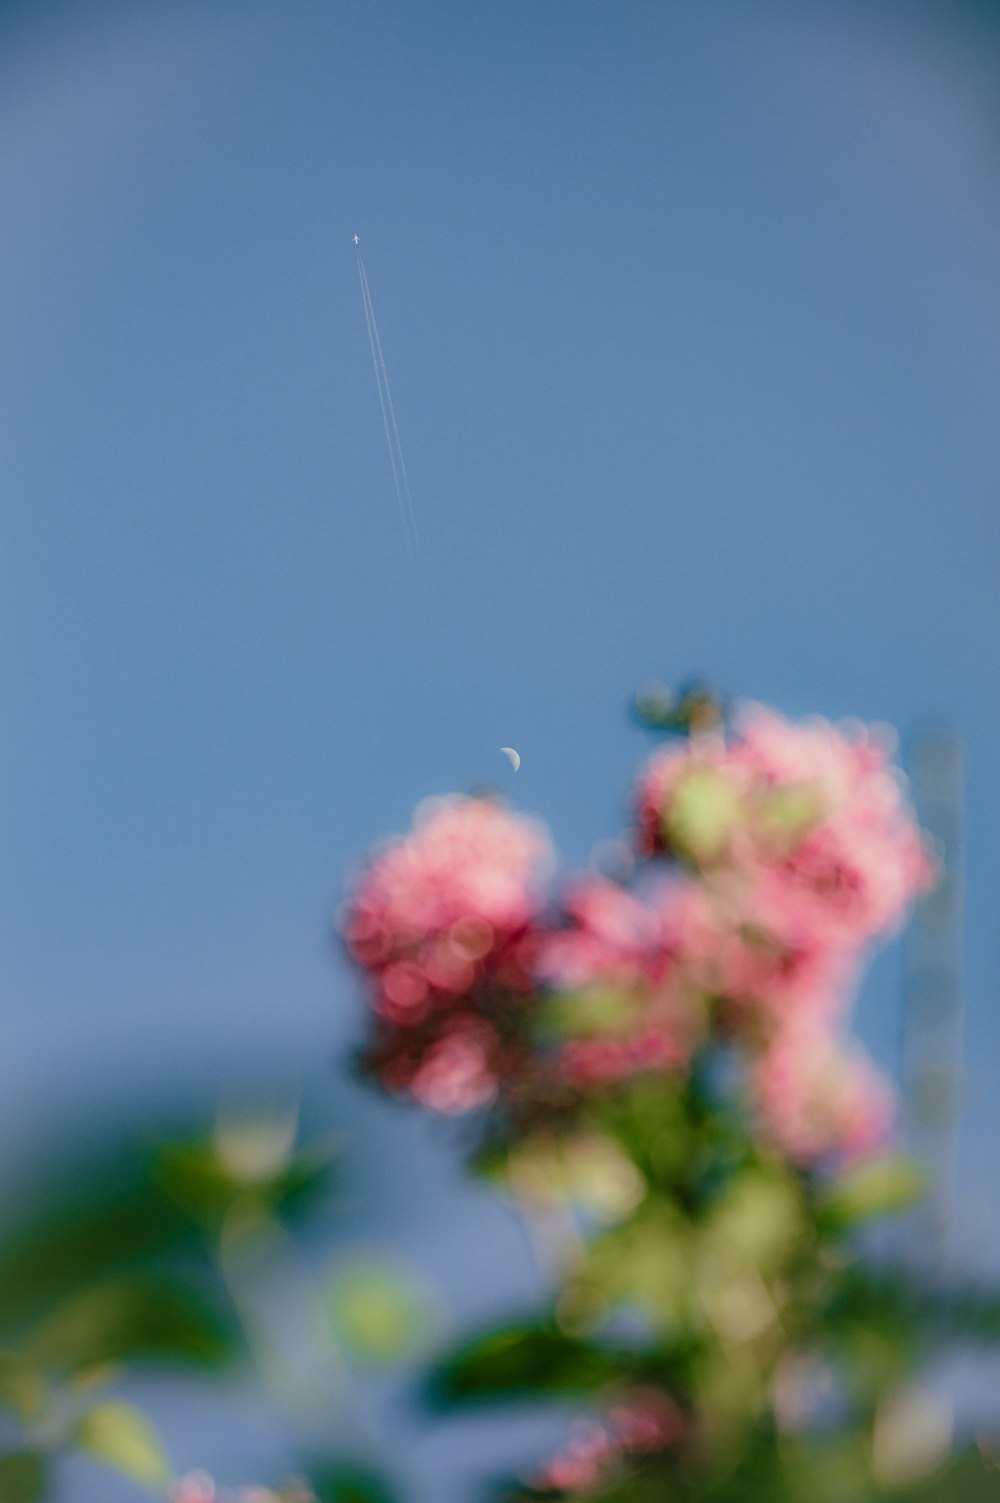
[[248, 1171], [83, 1280], [519, 1361], [82, 1238], [876, 1187], [695, 707], [118, 1264], [132, 1319], [737, 1271], [117, 1434], [967, 1479], [703, 814], [652, 1121], [23, 1390], [593, 1013], [787, 812], [23, 1477], [349, 1482], [380, 1312], [958, 1315]]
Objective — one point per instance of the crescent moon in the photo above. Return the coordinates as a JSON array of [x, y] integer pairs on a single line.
[[512, 756]]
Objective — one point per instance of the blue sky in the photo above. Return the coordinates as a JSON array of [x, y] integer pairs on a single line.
[[692, 316]]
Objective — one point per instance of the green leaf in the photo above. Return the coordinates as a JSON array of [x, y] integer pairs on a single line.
[[878, 1187], [694, 707], [61, 1253], [969, 1479], [595, 1012], [787, 811], [349, 1482], [759, 1218], [380, 1312], [648, 1116], [704, 809], [951, 1316], [521, 1360], [209, 1180], [647, 1265], [121, 1437], [589, 1170], [144, 1319], [22, 1477], [872, 1325], [22, 1387]]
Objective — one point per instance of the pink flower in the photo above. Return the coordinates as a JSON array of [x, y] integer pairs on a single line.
[[448, 905], [860, 877], [582, 1466], [804, 848], [610, 938], [587, 1063], [755, 942], [823, 805], [196, 1487], [455, 1075], [650, 1421], [621, 948], [859, 856], [648, 1424], [814, 1099]]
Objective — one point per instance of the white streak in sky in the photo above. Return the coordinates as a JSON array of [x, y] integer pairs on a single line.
[[400, 479]]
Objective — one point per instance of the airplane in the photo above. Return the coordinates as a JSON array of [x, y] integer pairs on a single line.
[[356, 240]]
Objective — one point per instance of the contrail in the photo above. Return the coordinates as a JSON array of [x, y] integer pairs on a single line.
[[400, 479]]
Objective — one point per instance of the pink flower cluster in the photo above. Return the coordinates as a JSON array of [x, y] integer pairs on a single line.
[[648, 1425], [814, 1096], [818, 812], [444, 923], [614, 943], [800, 851], [792, 850]]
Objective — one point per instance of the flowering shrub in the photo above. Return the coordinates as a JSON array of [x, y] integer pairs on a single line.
[[766, 862], [656, 1068], [660, 1063]]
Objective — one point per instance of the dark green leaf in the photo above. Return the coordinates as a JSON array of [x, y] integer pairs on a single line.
[[57, 1255], [523, 1360], [952, 1316], [151, 1319], [206, 1186], [22, 1387], [349, 1482], [22, 1477], [967, 1480]]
